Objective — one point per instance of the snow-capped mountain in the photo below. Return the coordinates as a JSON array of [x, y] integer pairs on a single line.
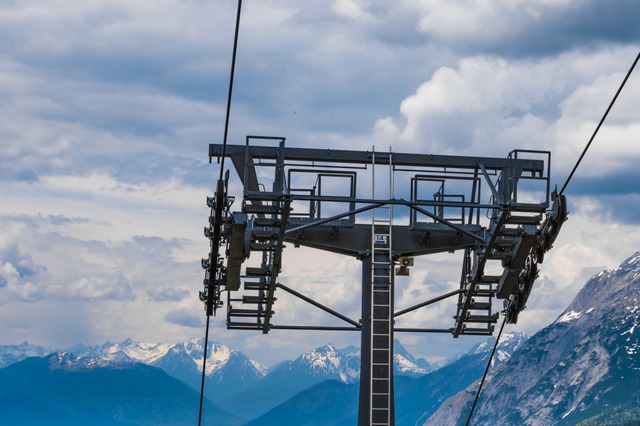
[[327, 362], [10, 354], [583, 367], [228, 371], [318, 365], [231, 370], [508, 344], [291, 377], [406, 364]]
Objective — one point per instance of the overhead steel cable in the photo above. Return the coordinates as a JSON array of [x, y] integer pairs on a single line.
[[215, 244], [231, 77], [575, 167], [600, 123], [486, 370]]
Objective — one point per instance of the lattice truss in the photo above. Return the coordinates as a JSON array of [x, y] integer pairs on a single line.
[[498, 211]]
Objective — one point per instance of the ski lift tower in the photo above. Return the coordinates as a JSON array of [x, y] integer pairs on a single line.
[[344, 202]]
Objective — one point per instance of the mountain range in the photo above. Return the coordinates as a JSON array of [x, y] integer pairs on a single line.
[[163, 366], [336, 402], [229, 372], [582, 369]]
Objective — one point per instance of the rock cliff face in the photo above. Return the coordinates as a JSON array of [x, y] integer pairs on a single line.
[[584, 364]]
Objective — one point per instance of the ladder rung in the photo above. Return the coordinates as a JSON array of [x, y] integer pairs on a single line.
[[257, 208], [498, 255], [524, 220], [253, 299], [249, 285], [257, 271], [246, 313], [489, 279], [480, 305], [264, 234], [252, 195], [266, 221], [484, 292], [512, 232], [243, 325], [482, 318], [262, 246]]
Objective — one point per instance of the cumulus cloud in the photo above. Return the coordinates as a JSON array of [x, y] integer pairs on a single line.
[[110, 287], [19, 274], [490, 105], [25, 280]]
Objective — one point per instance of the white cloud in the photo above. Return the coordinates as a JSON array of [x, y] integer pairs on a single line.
[[111, 287], [489, 105], [108, 108]]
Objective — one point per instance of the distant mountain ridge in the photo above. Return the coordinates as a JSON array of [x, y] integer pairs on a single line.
[[228, 371], [240, 385], [10, 354], [335, 402], [184, 359], [65, 389], [582, 369], [309, 369]]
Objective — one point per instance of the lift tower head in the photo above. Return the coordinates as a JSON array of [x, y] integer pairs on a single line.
[[483, 207]]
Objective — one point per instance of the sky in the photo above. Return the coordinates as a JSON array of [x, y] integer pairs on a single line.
[[108, 106]]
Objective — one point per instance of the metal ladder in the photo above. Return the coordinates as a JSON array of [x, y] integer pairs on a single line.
[[381, 302]]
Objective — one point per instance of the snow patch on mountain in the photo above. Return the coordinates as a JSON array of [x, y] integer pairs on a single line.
[[263, 369], [407, 365], [509, 342], [569, 316], [72, 362]]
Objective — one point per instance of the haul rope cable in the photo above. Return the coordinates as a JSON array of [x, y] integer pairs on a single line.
[[486, 370], [600, 123], [216, 239], [615, 97]]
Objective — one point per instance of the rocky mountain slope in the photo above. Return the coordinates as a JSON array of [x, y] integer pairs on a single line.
[[584, 365]]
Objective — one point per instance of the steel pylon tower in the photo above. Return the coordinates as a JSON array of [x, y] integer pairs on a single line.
[[481, 206]]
